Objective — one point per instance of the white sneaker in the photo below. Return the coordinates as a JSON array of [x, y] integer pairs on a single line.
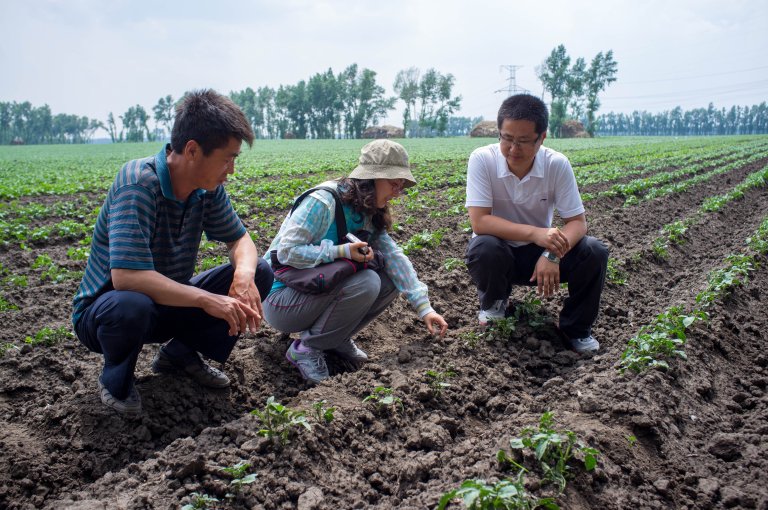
[[494, 313], [585, 345]]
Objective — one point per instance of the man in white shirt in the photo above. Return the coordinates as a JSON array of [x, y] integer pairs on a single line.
[[513, 188]]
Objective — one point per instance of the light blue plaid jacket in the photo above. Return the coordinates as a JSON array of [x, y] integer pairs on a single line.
[[301, 242]]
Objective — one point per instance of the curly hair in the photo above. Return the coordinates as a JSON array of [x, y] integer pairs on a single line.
[[361, 195]]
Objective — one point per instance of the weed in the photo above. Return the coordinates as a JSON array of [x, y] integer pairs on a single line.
[[323, 414], [553, 450], [279, 421], [49, 337], [505, 494], [383, 397], [437, 381], [200, 501], [452, 263]]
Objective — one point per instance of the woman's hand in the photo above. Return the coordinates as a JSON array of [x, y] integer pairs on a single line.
[[435, 324], [354, 252]]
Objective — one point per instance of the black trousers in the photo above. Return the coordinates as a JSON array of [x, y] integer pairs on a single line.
[[495, 266], [119, 323]]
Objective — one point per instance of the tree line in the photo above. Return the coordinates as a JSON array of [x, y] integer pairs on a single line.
[[326, 105], [24, 123], [737, 120]]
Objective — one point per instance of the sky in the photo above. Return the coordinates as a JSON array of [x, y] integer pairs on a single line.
[[93, 57]]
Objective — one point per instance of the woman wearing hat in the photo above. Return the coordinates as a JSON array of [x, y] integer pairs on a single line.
[[308, 237]]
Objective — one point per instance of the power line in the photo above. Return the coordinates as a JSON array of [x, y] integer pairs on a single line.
[[696, 77]]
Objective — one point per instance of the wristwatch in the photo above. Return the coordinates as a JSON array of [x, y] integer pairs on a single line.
[[550, 256]]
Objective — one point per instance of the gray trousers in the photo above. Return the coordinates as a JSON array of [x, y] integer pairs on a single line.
[[327, 320]]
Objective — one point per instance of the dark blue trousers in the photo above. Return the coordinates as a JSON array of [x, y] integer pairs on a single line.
[[495, 267], [119, 323]]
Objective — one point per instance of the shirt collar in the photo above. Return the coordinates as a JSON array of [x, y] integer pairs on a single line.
[[164, 174], [537, 170]]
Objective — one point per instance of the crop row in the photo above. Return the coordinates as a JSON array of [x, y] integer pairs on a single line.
[[665, 336]]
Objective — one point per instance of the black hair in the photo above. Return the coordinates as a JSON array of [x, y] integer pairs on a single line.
[[210, 119], [524, 107]]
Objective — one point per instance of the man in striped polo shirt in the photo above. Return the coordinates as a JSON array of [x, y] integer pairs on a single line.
[[139, 285]]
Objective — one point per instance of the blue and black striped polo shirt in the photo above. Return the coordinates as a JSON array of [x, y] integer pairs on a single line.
[[142, 226]]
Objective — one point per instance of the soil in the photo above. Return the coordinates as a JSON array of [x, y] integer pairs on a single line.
[[692, 436]]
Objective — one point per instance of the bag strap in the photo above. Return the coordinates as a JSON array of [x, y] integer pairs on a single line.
[[341, 221]]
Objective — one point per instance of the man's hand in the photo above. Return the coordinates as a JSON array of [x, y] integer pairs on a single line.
[[238, 315], [243, 289], [554, 240], [436, 325], [546, 274]]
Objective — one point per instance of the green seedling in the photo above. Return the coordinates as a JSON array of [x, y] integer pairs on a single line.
[[16, 281], [49, 337], [240, 476], [615, 274], [660, 248], [529, 310], [501, 329], [279, 421], [425, 239], [437, 381], [6, 306], [200, 501], [452, 263], [52, 272], [664, 338], [553, 449], [675, 231], [78, 252], [632, 440], [5, 347], [383, 397], [472, 338], [323, 414], [210, 262], [722, 281], [506, 494]]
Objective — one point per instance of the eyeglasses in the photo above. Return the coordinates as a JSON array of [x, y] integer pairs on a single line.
[[520, 144]]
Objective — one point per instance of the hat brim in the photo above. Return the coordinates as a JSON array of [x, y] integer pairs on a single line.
[[384, 172]]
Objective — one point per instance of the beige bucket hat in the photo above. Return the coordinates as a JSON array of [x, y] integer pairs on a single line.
[[384, 159]]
